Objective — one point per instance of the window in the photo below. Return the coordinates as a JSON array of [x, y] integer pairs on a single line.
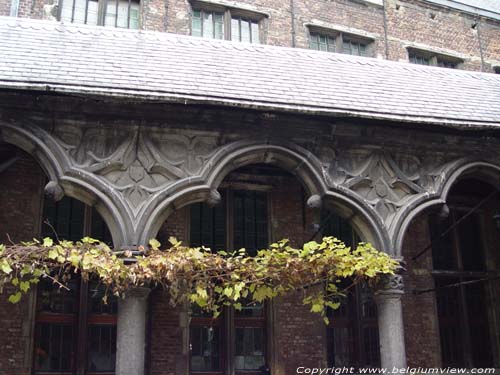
[[218, 22], [459, 263], [322, 42], [496, 69], [335, 41], [117, 13], [75, 332], [237, 339], [352, 334], [351, 47], [421, 57]]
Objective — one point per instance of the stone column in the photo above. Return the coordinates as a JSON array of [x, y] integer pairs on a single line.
[[390, 322], [131, 332]]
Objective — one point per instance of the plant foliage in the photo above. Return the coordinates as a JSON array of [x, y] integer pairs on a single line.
[[198, 275]]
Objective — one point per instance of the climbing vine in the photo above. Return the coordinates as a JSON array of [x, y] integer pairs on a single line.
[[198, 275]]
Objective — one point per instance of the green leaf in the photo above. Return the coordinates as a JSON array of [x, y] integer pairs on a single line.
[[5, 266], [15, 298], [53, 254], [47, 242], [155, 244], [24, 286]]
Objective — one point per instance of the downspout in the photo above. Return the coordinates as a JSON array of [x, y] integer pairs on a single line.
[[384, 4], [165, 19], [481, 53], [292, 13]]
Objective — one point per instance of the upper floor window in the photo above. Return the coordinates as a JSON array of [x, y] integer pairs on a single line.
[[217, 22], [421, 57], [335, 41], [117, 13]]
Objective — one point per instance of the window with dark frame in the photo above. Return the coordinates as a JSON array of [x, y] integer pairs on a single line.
[[240, 221], [462, 308], [352, 334], [116, 13], [226, 23], [336, 41], [322, 42], [421, 57], [75, 332]]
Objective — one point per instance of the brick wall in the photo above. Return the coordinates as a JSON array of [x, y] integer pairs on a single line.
[[20, 197], [419, 311]]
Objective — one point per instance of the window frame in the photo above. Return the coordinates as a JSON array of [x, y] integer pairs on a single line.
[[227, 320], [340, 37], [353, 319], [82, 319], [101, 12], [228, 14], [435, 59], [456, 273]]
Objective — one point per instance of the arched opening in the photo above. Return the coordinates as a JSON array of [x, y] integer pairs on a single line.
[[73, 331], [453, 262], [261, 203]]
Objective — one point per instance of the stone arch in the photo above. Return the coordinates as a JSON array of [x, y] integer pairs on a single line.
[[290, 157], [364, 222], [56, 165], [482, 170]]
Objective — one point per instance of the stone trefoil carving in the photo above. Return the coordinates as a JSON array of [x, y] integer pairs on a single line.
[[137, 162], [386, 182]]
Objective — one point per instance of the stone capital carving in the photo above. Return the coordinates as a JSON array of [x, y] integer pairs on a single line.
[[314, 201], [138, 292], [54, 191]]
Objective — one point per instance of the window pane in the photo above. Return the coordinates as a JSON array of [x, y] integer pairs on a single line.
[[314, 41], [340, 341], [443, 251], [205, 348], [65, 218], [253, 310], [111, 9], [218, 26], [96, 305], [134, 15], [208, 226], [469, 234], [417, 59], [92, 12], [250, 221], [208, 25], [99, 230], [80, 9], [54, 348], [255, 32], [122, 20], [53, 299], [66, 10], [477, 313], [250, 349], [235, 29], [101, 355], [245, 31], [448, 306], [196, 24]]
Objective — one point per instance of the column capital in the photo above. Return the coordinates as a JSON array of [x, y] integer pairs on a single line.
[[392, 285], [138, 292]]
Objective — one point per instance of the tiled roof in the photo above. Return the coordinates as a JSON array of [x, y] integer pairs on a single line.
[[45, 55]]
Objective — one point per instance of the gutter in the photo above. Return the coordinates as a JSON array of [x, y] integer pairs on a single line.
[[190, 99]]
